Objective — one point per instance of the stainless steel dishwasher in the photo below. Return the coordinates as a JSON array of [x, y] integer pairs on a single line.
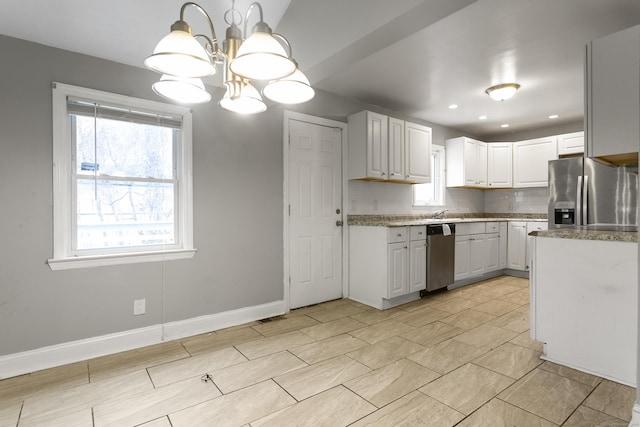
[[441, 242]]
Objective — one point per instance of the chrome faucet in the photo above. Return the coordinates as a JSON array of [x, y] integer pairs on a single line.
[[439, 214]]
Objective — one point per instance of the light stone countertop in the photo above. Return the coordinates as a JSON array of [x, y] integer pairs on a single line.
[[589, 234], [406, 220]]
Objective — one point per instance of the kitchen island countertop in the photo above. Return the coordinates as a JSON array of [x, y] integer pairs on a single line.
[[589, 234]]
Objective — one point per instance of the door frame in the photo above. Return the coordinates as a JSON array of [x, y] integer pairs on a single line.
[[292, 115]]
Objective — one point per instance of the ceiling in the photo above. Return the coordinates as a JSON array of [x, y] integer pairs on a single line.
[[409, 56]]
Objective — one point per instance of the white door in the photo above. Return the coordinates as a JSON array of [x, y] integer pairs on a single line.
[[315, 213]]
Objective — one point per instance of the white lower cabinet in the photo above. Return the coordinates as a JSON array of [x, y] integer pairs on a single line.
[[387, 265], [517, 246], [492, 252], [469, 251], [398, 260], [480, 248], [417, 265], [519, 252], [503, 232]]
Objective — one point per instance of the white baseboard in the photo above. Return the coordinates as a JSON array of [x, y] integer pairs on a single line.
[[635, 415], [75, 351]]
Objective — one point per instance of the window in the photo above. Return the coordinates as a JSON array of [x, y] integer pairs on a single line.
[[432, 194], [122, 179]]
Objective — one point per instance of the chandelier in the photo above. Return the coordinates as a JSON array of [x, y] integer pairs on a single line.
[[183, 59]]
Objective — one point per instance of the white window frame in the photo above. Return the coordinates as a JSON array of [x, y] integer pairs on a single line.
[[63, 258], [437, 180]]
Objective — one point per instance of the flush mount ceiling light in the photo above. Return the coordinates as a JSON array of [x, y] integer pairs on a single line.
[[503, 91], [183, 59]]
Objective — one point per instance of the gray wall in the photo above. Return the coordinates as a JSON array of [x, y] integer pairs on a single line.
[[237, 180]]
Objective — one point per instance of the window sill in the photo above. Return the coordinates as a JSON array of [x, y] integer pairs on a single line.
[[119, 259]]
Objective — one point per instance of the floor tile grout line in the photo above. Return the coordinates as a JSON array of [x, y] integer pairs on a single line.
[[535, 415]]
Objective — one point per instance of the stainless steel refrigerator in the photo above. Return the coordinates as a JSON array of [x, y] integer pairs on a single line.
[[588, 192]]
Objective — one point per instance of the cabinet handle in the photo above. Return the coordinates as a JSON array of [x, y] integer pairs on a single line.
[[399, 235], [339, 223]]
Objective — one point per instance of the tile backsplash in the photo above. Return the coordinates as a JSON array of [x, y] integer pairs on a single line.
[[371, 198], [520, 200]]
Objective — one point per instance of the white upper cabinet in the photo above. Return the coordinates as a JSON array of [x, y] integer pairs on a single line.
[[570, 143], [531, 161], [396, 148], [466, 162], [383, 148], [417, 152], [368, 146], [613, 94], [500, 164]]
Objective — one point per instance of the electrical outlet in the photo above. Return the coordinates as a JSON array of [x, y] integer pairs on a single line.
[[139, 306], [375, 205]]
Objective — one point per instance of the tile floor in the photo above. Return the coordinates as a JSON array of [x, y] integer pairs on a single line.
[[460, 357]]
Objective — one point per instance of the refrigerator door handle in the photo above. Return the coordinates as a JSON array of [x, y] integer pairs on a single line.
[[578, 214], [585, 200]]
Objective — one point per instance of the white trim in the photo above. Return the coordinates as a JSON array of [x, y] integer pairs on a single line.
[[62, 183], [292, 115], [119, 259], [635, 416], [76, 351]]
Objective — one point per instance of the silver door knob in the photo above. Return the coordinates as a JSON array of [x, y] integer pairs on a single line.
[[339, 223]]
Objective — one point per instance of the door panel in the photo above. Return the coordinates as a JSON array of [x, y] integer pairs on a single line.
[[315, 194]]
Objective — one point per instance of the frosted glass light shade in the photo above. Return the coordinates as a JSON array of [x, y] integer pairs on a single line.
[[182, 90], [503, 91], [248, 101], [180, 54], [293, 89], [262, 57]]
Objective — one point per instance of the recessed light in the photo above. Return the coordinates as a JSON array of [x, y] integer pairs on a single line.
[[506, 125], [453, 106], [482, 118], [553, 116]]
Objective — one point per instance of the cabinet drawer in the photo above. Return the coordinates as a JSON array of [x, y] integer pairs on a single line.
[[397, 234], [492, 227], [418, 232], [470, 228]]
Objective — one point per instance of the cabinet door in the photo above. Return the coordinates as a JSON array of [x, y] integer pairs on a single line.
[[396, 149], [613, 87], [461, 259], [502, 261], [470, 163], [500, 165], [476, 255], [517, 244], [481, 161], [417, 265], [377, 145], [492, 252], [475, 163], [531, 161], [571, 143], [397, 269], [417, 152]]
